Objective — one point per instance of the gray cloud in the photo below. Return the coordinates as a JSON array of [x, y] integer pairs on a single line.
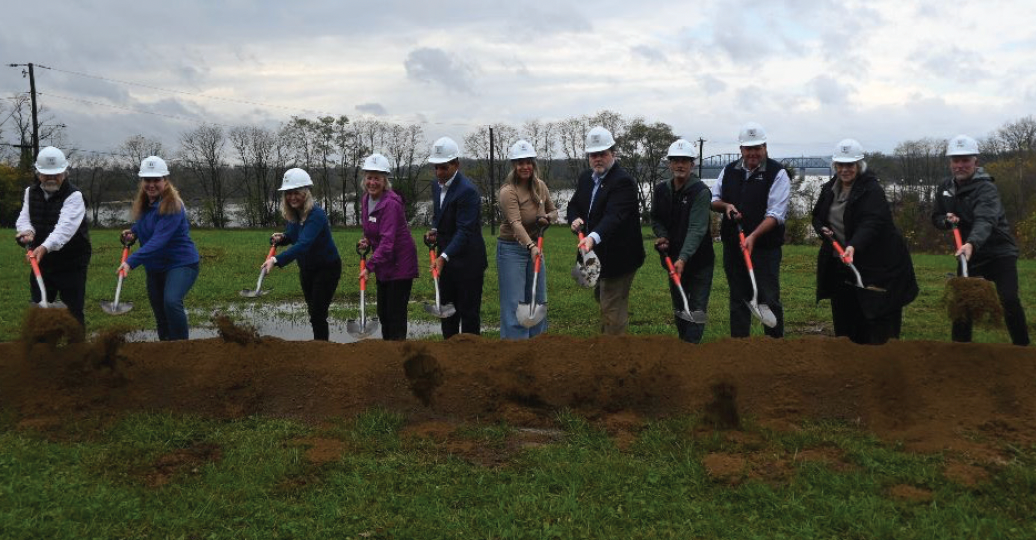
[[375, 109], [829, 91], [711, 84], [431, 65], [952, 63], [648, 53]]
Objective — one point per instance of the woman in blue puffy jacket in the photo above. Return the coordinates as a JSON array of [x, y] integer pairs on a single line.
[[166, 249], [309, 234]]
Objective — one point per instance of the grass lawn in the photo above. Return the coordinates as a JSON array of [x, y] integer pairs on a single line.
[[231, 258]]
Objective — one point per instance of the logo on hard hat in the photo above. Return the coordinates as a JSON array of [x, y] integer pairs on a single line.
[[438, 149], [151, 164], [845, 149], [960, 143], [51, 160], [595, 138], [751, 133]]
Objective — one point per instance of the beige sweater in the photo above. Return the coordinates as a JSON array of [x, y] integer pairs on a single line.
[[520, 212]]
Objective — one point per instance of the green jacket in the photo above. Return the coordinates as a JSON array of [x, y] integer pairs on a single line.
[[983, 222]]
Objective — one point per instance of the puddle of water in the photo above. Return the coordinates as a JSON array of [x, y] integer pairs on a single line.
[[289, 321]]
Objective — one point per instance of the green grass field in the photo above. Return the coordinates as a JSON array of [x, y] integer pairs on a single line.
[[231, 258], [159, 475]]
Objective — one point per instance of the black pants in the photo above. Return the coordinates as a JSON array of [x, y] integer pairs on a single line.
[[69, 284], [393, 297], [767, 264], [1003, 272], [318, 287], [850, 321], [465, 292]]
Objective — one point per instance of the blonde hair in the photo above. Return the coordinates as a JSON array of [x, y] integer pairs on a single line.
[[293, 215], [534, 183], [170, 197]]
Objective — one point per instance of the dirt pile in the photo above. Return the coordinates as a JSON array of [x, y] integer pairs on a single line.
[[973, 299], [929, 395]]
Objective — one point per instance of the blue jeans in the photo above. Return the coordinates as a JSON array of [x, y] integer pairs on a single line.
[[514, 269], [165, 290]]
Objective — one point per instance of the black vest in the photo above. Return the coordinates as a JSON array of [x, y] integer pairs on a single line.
[[750, 197], [675, 213], [44, 214]]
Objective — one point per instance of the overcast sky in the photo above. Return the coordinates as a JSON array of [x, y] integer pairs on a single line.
[[812, 72]]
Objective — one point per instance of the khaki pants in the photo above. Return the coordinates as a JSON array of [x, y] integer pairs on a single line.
[[614, 295]]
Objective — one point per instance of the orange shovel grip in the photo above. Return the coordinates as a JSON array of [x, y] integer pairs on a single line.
[[125, 255], [956, 237], [431, 260], [539, 244], [363, 280]]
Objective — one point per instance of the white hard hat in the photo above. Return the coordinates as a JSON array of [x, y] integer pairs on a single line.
[[377, 162], [848, 151], [521, 150], [444, 149], [51, 161], [681, 148], [599, 139], [294, 179], [961, 145], [752, 134], [153, 167]]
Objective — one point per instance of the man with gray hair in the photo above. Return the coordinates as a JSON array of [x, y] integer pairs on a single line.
[[969, 201], [605, 205], [52, 223]]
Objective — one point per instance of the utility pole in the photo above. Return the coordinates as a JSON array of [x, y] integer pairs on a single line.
[[701, 148], [492, 185], [35, 120]]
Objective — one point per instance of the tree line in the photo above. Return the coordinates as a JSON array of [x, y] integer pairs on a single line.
[[219, 168]]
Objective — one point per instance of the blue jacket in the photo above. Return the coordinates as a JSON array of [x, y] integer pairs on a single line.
[[165, 240], [458, 222], [313, 245]]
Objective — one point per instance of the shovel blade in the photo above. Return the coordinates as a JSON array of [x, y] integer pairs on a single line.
[[529, 316], [696, 317], [442, 312], [362, 331], [249, 293], [111, 309], [58, 304], [763, 313]]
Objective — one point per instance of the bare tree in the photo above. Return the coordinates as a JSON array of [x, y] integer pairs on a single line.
[[403, 145], [98, 179], [643, 150], [19, 118], [256, 147], [203, 155]]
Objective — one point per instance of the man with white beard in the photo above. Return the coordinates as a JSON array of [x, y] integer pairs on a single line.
[[52, 223]]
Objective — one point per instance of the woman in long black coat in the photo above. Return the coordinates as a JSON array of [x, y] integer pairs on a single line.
[[852, 209]]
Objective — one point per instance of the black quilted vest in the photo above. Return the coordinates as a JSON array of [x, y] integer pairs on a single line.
[[43, 214], [750, 196], [674, 210]]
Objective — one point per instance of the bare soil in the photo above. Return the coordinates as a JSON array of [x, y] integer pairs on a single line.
[[932, 396]]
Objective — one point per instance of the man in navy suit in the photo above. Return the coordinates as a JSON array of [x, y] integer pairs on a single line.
[[457, 233], [605, 204]]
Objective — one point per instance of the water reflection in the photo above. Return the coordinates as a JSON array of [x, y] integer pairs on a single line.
[[286, 320]]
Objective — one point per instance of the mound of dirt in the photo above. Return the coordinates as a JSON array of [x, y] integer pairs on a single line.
[[930, 395], [231, 332], [53, 326], [974, 299]]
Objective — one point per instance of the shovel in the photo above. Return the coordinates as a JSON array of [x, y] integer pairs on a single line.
[[697, 317], [761, 311], [115, 308], [531, 314], [848, 261], [587, 268], [438, 309], [362, 328], [43, 303], [262, 273], [960, 243]]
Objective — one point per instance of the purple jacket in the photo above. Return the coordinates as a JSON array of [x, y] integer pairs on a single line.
[[395, 255]]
